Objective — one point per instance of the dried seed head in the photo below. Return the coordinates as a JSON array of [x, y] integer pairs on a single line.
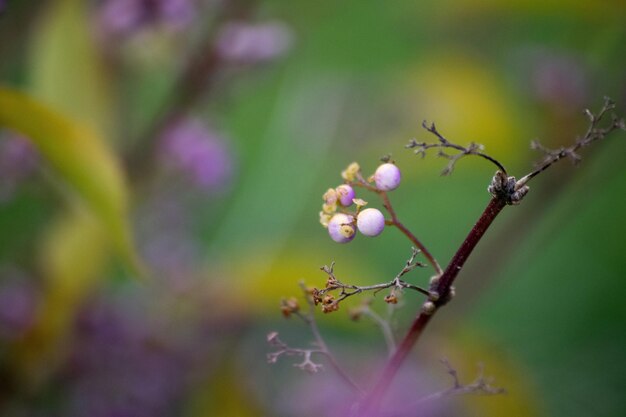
[[329, 304], [391, 299], [289, 306]]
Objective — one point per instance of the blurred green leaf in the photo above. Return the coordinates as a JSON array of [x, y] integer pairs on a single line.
[[558, 305]]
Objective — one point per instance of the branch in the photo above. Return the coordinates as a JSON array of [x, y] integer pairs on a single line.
[[361, 182], [593, 134], [290, 307], [384, 326], [330, 303], [396, 222], [307, 363], [480, 386], [505, 191], [443, 143]]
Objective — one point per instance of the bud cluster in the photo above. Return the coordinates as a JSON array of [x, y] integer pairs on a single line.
[[336, 216]]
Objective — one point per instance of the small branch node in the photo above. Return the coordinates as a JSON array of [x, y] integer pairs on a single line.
[[508, 189]]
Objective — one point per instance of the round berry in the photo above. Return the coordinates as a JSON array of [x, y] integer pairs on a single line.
[[341, 228], [370, 222], [387, 177], [345, 194]]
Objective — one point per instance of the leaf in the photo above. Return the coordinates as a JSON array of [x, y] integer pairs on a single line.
[[81, 159], [66, 69], [72, 254]]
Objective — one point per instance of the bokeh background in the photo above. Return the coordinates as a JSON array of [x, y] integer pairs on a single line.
[[142, 260]]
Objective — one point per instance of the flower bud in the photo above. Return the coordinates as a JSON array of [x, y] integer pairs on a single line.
[[351, 172], [330, 197], [370, 222], [387, 177], [324, 218]]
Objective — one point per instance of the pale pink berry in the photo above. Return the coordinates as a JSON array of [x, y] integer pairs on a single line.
[[341, 228], [370, 222], [387, 177], [345, 193]]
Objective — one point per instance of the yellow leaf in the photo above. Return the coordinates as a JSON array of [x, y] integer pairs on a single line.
[[66, 69], [72, 253], [82, 160]]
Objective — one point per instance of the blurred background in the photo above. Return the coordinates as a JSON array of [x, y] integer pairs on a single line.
[[160, 190]]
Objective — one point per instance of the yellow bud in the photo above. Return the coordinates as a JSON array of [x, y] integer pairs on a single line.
[[351, 172], [324, 218], [330, 196], [329, 208]]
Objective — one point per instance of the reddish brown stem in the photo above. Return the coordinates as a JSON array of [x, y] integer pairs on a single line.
[[419, 245], [442, 288]]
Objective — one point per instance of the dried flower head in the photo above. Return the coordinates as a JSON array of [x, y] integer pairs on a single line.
[[289, 306], [391, 299]]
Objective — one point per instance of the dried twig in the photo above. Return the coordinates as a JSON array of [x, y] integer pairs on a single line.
[[594, 133], [473, 148], [480, 386], [384, 326], [307, 364], [330, 303]]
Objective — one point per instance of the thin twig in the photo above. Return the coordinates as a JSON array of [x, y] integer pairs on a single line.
[[593, 134], [361, 182], [309, 318], [384, 326], [330, 303], [476, 149], [307, 363], [481, 385], [396, 222]]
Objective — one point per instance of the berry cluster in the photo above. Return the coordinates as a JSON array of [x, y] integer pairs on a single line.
[[342, 223]]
